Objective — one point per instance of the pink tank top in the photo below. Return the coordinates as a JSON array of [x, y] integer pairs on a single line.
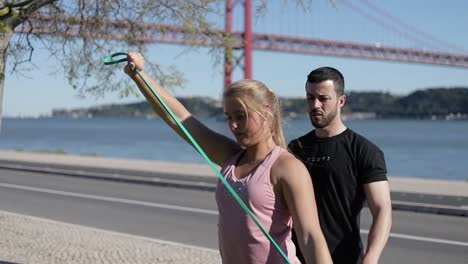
[[240, 240]]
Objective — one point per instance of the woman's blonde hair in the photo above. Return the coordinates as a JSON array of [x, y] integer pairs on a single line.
[[254, 95]]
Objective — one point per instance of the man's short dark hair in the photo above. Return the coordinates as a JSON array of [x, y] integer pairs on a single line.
[[328, 73]]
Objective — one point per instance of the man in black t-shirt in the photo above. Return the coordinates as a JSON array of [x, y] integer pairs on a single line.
[[346, 170]]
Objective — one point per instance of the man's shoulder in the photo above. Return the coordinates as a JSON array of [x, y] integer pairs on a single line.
[[361, 141]]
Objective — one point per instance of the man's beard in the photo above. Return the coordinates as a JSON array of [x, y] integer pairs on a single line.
[[326, 119]]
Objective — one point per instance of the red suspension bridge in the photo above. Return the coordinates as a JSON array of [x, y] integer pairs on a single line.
[[247, 40]]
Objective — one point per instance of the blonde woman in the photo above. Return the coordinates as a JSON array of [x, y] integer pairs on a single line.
[[274, 185]]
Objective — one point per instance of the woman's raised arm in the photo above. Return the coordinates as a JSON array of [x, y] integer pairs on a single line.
[[218, 147]]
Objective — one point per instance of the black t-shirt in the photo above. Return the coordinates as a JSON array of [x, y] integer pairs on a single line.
[[339, 166]]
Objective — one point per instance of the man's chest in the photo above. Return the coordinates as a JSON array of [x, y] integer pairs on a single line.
[[329, 164]]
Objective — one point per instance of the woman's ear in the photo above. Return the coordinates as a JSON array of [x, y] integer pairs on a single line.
[[268, 112]]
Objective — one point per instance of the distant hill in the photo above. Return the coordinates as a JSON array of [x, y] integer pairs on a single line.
[[434, 103], [421, 104], [200, 106]]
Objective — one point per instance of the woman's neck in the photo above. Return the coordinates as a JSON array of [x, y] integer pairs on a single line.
[[259, 152]]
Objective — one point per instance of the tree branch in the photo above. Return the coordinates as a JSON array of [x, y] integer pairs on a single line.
[[23, 10]]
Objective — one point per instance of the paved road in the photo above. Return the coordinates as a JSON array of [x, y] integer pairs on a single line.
[[189, 216]]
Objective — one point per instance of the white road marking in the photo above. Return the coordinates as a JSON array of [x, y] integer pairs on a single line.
[[423, 239], [110, 199]]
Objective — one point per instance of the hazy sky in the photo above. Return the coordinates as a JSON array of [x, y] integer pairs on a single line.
[[443, 24]]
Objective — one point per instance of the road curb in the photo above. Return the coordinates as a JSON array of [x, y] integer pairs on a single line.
[[129, 176], [189, 182], [430, 208]]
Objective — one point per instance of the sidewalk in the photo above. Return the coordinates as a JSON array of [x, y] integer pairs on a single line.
[[26, 239]]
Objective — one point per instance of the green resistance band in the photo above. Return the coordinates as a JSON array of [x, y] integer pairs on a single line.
[[111, 59]]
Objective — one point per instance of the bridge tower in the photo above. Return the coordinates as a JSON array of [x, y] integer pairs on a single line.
[[230, 61]]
